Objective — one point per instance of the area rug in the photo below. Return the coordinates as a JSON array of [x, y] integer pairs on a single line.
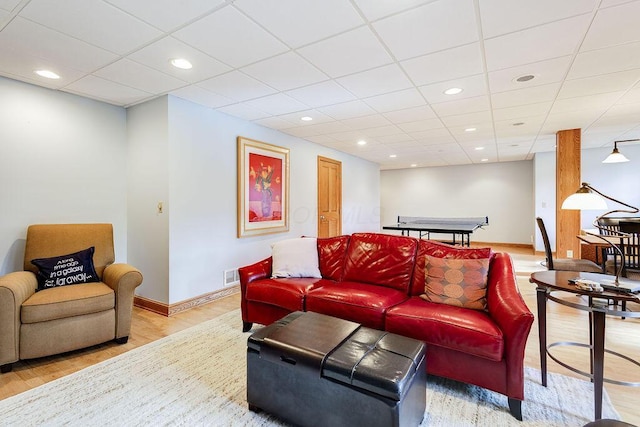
[[197, 377]]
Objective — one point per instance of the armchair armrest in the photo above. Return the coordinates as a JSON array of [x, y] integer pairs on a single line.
[[509, 311], [250, 273], [15, 288], [123, 279]]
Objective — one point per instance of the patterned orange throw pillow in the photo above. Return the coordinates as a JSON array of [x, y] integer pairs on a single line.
[[459, 282]]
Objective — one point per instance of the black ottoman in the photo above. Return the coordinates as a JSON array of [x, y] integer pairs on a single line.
[[315, 370]]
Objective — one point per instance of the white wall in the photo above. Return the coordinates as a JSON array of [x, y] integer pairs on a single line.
[[148, 183], [200, 203], [62, 160], [501, 191], [618, 180]]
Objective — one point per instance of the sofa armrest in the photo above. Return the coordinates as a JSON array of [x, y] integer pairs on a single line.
[[123, 279], [508, 309], [15, 288], [251, 273]]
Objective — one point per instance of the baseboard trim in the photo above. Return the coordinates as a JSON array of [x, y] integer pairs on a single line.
[[169, 310], [507, 245]]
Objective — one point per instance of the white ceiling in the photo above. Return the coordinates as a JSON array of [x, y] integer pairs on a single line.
[[370, 70]]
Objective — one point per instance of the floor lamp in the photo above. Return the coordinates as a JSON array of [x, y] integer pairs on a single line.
[[588, 198]]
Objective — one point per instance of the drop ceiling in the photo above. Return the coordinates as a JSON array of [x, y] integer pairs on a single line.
[[363, 70]]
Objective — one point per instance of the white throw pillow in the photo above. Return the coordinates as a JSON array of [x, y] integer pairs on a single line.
[[295, 258]]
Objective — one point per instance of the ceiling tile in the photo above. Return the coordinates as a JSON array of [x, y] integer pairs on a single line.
[[347, 53], [167, 14], [277, 104], [544, 72], [600, 102], [243, 111], [631, 97], [445, 65], [426, 124], [522, 111], [321, 94], [92, 21], [300, 22], [472, 86], [501, 17], [613, 26], [211, 34], [202, 96], [316, 116], [374, 10], [114, 93], [388, 78], [347, 110], [412, 114], [438, 25], [23, 65], [236, 85], [33, 39], [286, 71], [159, 54], [529, 95], [462, 106], [276, 123], [135, 75], [606, 61], [365, 122], [396, 101], [469, 119], [613, 82], [536, 44], [9, 5]]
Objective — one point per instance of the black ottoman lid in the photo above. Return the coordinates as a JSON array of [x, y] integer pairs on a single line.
[[377, 361]]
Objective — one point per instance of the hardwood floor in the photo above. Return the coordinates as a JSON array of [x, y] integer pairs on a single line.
[[564, 324]]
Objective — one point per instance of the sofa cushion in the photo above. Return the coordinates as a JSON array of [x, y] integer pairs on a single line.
[[295, 258], [67, 301], [459, 282], [359, 302], [381, 259], [440, 250], [455, 328], [63, 270], [331, 254], [285, 293]]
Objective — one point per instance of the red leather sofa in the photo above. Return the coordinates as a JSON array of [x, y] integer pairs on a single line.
[[376, 279]]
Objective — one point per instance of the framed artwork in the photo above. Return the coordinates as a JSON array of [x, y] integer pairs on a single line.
[[263, 188]]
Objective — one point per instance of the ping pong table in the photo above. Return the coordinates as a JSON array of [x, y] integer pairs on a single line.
[[462, 227]]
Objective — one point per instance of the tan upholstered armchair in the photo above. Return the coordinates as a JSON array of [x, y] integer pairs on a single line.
[[64, 318]]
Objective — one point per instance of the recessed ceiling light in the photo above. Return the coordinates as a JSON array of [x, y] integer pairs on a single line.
[[47, 74], [518, 124], [362, 142], [453, 91], [181, 63], [306, 118], [479, 148], [470, 129], [393, 156], [484, 160], [525, 78], [413, 165]]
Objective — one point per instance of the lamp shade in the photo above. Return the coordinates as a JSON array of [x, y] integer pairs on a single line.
[[615, 157], [584, 200]]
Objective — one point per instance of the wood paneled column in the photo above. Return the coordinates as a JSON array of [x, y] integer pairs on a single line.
[[567, 182]]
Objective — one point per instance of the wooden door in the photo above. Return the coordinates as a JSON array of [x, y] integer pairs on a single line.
[[329, 197]]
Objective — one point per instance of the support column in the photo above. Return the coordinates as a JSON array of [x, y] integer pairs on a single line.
[[567, 182]]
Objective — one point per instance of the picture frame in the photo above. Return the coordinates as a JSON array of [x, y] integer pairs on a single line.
[[263, 188]]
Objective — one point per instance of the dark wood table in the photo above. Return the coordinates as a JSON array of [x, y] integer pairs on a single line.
[[598, 304]]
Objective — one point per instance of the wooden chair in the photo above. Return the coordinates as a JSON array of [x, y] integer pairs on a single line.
[[631, 249], [564, 264]]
